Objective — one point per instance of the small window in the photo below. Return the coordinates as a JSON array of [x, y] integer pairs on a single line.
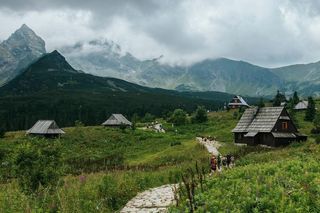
[[284, 125]]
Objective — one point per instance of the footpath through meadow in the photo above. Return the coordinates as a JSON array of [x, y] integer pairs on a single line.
[[157, 200]]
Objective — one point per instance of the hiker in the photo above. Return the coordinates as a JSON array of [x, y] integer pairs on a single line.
[[213, 164], [224, 161], [219, 162], [233, 161], [228, 160]]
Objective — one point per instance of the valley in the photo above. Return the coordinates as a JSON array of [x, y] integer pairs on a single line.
[[102, 168], [92, 168]]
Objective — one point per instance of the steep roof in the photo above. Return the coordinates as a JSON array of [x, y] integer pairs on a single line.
[[259, 120], [265, 119], [302, 105], [45, 127], [245, 120], [241, 102], [116, 120]]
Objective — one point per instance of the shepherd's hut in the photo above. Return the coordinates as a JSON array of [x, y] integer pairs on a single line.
[[271, 126], [117, 120], [237, 102], [46, 128]]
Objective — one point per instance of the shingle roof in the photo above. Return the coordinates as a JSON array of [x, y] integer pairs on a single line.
[[45, 127], [251, 134], [265, 119], [301, 105], [283, 135], [245, 120], [242, 101], [116, 120], [258, 120]]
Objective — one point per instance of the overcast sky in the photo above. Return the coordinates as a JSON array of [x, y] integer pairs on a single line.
[[264, 32]]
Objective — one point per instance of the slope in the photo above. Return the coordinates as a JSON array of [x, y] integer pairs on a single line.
[[51, 89]]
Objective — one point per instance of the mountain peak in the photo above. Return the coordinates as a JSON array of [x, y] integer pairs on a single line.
[[24, 40], [25, 27], [18, 51], [53, 61], [56, 54]]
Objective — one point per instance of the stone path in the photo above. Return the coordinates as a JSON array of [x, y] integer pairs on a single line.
[[153, 200], [157, 200], [212, 146]]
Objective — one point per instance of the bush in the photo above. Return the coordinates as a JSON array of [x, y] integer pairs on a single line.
[[148, 117], [175, 143], [315, 131], [179, 117], [37, 166], [318, 139], [200, 115], [78, 123]]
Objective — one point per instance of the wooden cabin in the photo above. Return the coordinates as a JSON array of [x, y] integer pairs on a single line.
[[237, 102], [45, 128], [302, 105], [271, 126], [117, 120]]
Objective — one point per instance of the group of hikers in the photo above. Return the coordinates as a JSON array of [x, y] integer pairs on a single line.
[[216, 163]]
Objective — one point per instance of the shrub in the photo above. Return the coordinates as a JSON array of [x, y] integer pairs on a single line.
[[37, 166], [179, 117], [78, 123], [123, 127], [315, 131], [318, 139], [148, 117], [200, 115], [175, 143]]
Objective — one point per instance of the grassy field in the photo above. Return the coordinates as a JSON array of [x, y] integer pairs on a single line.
[[266, 180], [104, 168], [93, 157]]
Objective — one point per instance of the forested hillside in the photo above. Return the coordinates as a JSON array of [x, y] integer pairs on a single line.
[[51, 89]]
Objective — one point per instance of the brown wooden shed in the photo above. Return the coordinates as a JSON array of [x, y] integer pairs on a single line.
[[237, 102], [271, 126]]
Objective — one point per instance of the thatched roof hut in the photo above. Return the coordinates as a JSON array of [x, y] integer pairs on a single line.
[[116, 120], [47, 128]]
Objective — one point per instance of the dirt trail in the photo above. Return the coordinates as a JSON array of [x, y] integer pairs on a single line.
[[158, 199], [212, 146]]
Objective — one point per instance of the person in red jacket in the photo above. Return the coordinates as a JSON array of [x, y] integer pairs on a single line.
[[213, 164]]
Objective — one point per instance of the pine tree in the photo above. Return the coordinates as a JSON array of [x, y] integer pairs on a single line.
[[277, 99], [311, 110], [295, 98]]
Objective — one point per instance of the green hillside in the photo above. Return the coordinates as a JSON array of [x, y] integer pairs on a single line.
[[99, 163], [51, 89], [270, 180]]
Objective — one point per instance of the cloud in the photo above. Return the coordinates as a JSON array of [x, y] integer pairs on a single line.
[[267, 32]]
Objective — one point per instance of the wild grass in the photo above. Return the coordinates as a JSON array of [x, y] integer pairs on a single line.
[[284, 179]]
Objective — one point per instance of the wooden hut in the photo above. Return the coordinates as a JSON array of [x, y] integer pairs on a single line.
[[117, 120], [302, 105], [237, 102], [271, 126], [46, 128]]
